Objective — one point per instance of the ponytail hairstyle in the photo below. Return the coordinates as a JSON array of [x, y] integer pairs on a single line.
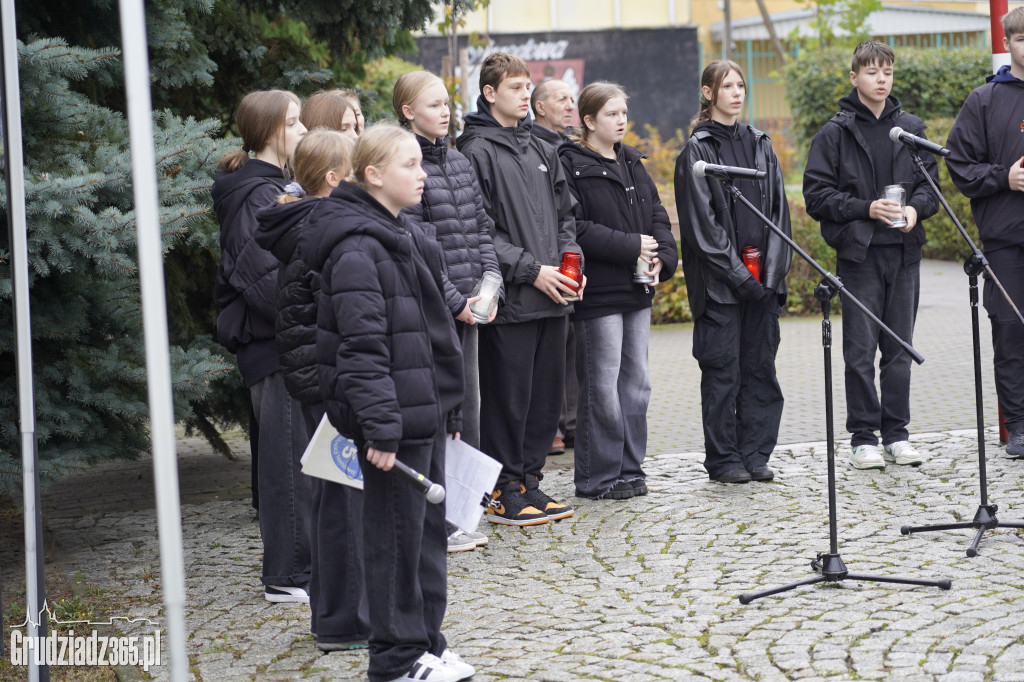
[[326, 109], [319, 152], [375, 147], [714, 74], [408, 87], [591, 100], [260, 115]]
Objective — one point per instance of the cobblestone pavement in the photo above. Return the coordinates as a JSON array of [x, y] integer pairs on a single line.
[[644, 589]]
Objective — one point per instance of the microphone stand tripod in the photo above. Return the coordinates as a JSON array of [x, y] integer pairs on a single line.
[[830, 565], [985, 517]]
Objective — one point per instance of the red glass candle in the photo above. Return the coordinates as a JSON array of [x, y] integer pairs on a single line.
[[752, 259], [572, 267]]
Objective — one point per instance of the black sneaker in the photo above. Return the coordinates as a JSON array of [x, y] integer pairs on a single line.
[[510, 507], [623, 490], [1015, 443], [541, 500], [639, 486]]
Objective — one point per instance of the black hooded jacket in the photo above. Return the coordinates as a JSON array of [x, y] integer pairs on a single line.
[[617, 202], [988, 138], [525, 193], [710, 251], [452, 210], [279, 232], [389, 359], [840, 182], [246, 284]]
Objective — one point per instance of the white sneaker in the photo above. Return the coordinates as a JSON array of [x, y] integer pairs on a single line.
[[430, 668], [867, 457], [455, 662], [284, 594], [902, 452], [479, 538], [459, 541]]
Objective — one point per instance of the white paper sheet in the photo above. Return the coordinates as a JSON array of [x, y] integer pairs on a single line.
[[469, 475], [333, 457]]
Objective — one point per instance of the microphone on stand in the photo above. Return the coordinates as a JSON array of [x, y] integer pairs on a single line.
[[704, 169], [898, 134], [433, 491]]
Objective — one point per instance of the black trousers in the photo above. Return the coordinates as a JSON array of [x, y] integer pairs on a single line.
[[522, 381], [890, 289], [405, 561], [1007, 332], [741, 401], [337, 595]]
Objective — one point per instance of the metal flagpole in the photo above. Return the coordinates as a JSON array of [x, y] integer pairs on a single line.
[[35, 586], [154, 320]]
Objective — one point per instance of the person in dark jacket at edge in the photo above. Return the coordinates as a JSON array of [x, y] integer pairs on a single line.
[[554, 108], [522, 354], [850, 163], [390, 370], [986, 162], [735, 305], [621, 226], [339, 619], [451, 210], [246, 181]]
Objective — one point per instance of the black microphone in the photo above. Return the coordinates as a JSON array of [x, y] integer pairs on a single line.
[[898, 134], [704, 169], [433, 491]]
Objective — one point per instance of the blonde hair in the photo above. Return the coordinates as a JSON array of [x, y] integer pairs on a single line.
[[260, 115], [408, 87], [325, 109], [318, 152], [714, 74], [592, 99], [375, 147]]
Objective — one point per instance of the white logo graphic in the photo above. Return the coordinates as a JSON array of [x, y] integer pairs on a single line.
[[543, 168], [59, 649]]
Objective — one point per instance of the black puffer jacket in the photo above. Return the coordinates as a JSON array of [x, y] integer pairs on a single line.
[[452, 210], [526, 194], [610, 217], [281, 225], [711, 258], [246, 282], [839, 182], [389, 359]]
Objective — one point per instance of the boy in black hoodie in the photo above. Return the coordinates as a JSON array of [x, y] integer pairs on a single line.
[[986, 162], [850, 163], [522, 354]]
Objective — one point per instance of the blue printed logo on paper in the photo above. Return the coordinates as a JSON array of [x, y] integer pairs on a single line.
[[346, 457]]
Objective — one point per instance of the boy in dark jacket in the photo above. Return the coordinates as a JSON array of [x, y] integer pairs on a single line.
[[522, 354], [986, 162], [851, 162]]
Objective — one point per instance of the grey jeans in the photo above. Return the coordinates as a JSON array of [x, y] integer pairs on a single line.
[[614, 390]]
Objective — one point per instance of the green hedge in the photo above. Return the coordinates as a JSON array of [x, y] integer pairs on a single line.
[[945, 241]]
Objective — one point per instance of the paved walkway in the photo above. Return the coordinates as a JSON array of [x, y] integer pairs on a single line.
[[646, 589]]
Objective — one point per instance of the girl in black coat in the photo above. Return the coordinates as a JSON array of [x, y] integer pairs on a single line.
[[391, 375], [247, 180], [624, 232], [452, 210], [735, 304], [337, 598]]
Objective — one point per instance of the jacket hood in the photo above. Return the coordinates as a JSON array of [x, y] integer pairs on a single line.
[[577, 152], [481, 123], [348, 212], [434, 151], [252, 173], [1003, 75], [852, 104], [278, 220]]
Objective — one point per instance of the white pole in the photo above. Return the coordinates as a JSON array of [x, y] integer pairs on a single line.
[[35, 587], [154, 321]]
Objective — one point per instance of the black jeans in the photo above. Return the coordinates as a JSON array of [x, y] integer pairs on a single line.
[[405, 561], [890, 289], [1007, 332], [741, 401], [522, 381]]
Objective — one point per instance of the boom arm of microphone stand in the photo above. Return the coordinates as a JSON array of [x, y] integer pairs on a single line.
[[832, 280], [977, 258]]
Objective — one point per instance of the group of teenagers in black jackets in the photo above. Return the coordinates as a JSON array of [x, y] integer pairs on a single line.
[[346, 288]]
